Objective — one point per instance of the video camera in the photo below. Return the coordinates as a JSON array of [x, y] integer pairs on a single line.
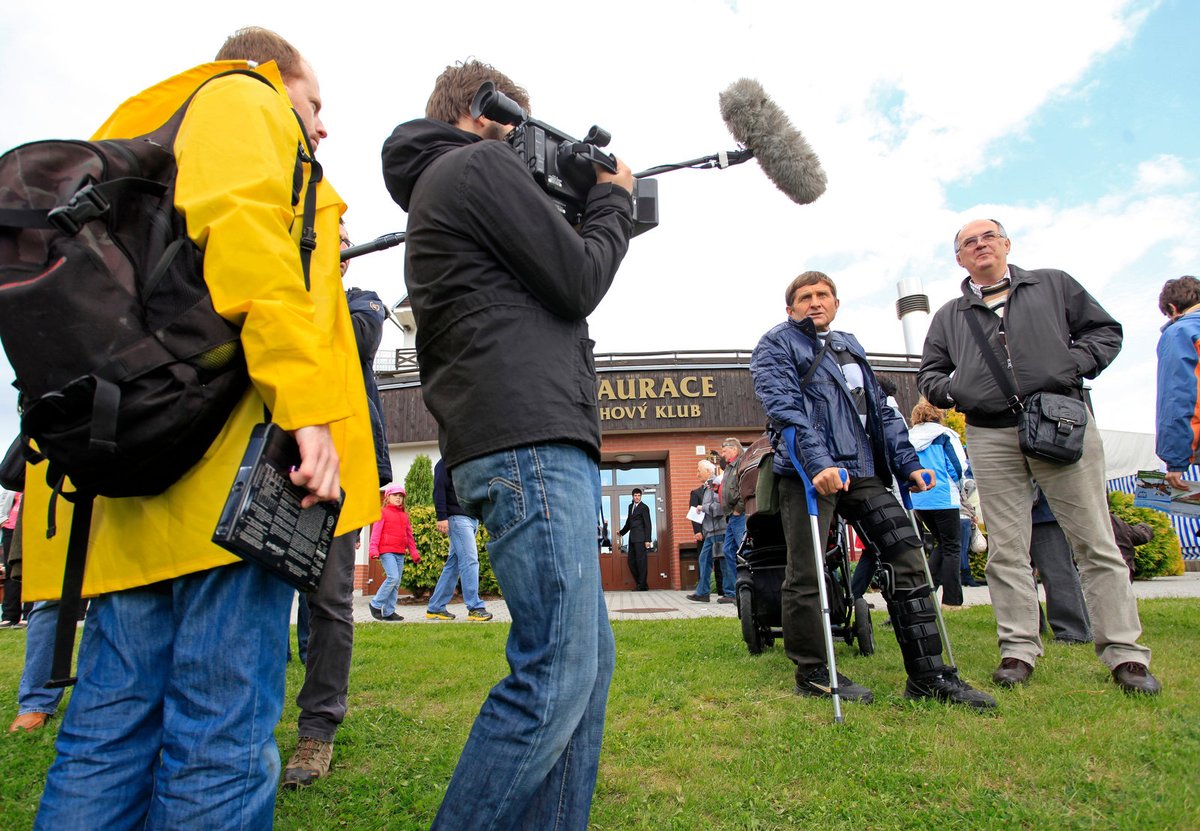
[[561, 165]]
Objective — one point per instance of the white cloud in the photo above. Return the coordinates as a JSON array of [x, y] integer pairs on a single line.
[[1162, 172], [954, 80]]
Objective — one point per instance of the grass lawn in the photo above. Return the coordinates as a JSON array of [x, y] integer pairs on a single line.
[[702, 735]]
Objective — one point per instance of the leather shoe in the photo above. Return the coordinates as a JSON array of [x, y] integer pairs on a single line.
[[29, 722], [1133, 677], [726, 599], [696, 598], [1012, 671]]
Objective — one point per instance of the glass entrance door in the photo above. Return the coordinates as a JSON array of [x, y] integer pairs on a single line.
[[616, 489]]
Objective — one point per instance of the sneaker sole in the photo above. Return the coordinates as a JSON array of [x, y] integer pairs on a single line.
[[869, 698]]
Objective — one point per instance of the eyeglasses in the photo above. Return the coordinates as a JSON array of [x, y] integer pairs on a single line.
[[988, 237]]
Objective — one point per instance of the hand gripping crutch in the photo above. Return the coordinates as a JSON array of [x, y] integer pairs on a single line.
[[937, 605], [810, 493]]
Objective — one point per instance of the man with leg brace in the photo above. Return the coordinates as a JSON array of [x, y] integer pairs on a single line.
[[836, 430]]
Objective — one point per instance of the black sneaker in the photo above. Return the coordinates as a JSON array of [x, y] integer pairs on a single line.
[[375, 613], [949, 689], [816, 684], [698, 598], [392, 618]]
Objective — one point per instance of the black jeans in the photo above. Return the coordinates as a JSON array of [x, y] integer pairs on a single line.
[[1066, 610], [322, 698], [945, 563], [803, 636]]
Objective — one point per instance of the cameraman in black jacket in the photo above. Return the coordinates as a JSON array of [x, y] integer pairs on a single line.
[[501, 287]]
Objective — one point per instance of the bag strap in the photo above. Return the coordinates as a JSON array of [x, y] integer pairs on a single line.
[[989, 357], [72, 592], [812, 370]]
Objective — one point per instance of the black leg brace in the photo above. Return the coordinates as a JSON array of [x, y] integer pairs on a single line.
[[914, 621]]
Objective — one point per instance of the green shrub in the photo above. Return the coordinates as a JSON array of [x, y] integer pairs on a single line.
[[1163, 555], [434, 547], [418, 483]]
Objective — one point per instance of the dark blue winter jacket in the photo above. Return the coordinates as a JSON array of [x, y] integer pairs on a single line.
[[828, 430]]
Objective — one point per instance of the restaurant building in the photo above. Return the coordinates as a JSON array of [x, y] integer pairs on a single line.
[[660, 414]]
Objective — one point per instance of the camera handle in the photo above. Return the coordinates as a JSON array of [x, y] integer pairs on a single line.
[[590, 153]]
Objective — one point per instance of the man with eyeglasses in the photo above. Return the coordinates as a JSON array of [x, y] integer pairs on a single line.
[[1050, 334]]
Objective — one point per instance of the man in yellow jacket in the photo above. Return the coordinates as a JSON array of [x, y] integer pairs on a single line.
[[181, 663]]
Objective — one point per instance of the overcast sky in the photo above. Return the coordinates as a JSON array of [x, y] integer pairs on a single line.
[[1074, 123]]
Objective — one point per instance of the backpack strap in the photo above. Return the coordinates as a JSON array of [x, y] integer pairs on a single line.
[[72, 591]]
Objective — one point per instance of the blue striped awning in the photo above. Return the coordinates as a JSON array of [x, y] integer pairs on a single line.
[[1187, 527]]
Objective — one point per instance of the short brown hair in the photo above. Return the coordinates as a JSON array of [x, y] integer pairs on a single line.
[[1182, 293], [808, 278], [457, 85], [925, 412], [254, 43]]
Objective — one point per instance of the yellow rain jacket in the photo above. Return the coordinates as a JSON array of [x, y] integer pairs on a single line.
[[236, 152]]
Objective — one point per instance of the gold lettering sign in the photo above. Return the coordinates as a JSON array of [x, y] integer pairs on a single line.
[[648, 391]]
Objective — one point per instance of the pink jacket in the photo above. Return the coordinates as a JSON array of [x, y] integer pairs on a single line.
[[393, 534]]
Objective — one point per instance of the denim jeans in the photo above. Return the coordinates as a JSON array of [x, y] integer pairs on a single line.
[[172, 723], [385, 599], [32, 695], [712, 543], [533, 752], [735, 529], [462, 562]]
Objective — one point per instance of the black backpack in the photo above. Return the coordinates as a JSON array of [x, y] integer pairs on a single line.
[[126, 374]]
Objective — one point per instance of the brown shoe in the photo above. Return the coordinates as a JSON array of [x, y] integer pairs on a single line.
[[1133, 677], [29, 722], [1012, 671], [310, 762]]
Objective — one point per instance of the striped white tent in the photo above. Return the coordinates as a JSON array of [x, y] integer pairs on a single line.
[[1127, 453]]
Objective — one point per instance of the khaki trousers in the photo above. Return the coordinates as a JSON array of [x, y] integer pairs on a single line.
[[1076, 493]]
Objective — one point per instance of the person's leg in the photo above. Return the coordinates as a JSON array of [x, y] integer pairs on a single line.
[[966, 527], [322, 697], [735, 531], [385, 598], [1066, 611], [32, 694], [704, 581], [532, 755], [303, 627], [949, 573], [803, 625], [640, 555], [1006, 497], [1077, 496], [443, 591], [110, 740], [863, 572], [219, 765]]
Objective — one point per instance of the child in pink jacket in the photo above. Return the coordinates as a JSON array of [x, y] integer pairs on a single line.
[[391, 539]]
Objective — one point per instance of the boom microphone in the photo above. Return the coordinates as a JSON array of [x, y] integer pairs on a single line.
[[759, 125]]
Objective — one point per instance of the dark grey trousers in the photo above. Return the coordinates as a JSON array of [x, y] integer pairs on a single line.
[[803, 635], [322, 698], [1066, 611]]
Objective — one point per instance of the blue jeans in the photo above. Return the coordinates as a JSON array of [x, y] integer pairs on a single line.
[[32, 695], [735, 529], [463, 561], [172, 723], [711, 543], [385, 599], [533, 752]]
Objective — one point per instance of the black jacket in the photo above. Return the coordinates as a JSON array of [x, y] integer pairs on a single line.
[[367, 314], [445, 500], [637, 525], [1057, 335], [501, 287]]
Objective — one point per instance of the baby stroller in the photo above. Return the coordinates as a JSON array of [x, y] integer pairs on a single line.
[[762, 559]]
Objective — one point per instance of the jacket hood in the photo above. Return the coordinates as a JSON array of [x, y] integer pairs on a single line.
[[412, 147], [923, 435]]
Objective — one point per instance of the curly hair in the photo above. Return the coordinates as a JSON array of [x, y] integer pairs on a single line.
[[925, 412]]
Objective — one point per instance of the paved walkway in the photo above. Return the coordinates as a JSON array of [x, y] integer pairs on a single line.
[[666, 604]]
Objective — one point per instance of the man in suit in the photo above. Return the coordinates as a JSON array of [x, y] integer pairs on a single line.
[[1053, 335], [637, 526]]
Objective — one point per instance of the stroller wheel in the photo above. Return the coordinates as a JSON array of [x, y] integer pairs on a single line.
[[863, 630], [749, 628]]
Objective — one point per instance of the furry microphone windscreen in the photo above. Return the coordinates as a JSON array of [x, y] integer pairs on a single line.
[[758, 124]]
